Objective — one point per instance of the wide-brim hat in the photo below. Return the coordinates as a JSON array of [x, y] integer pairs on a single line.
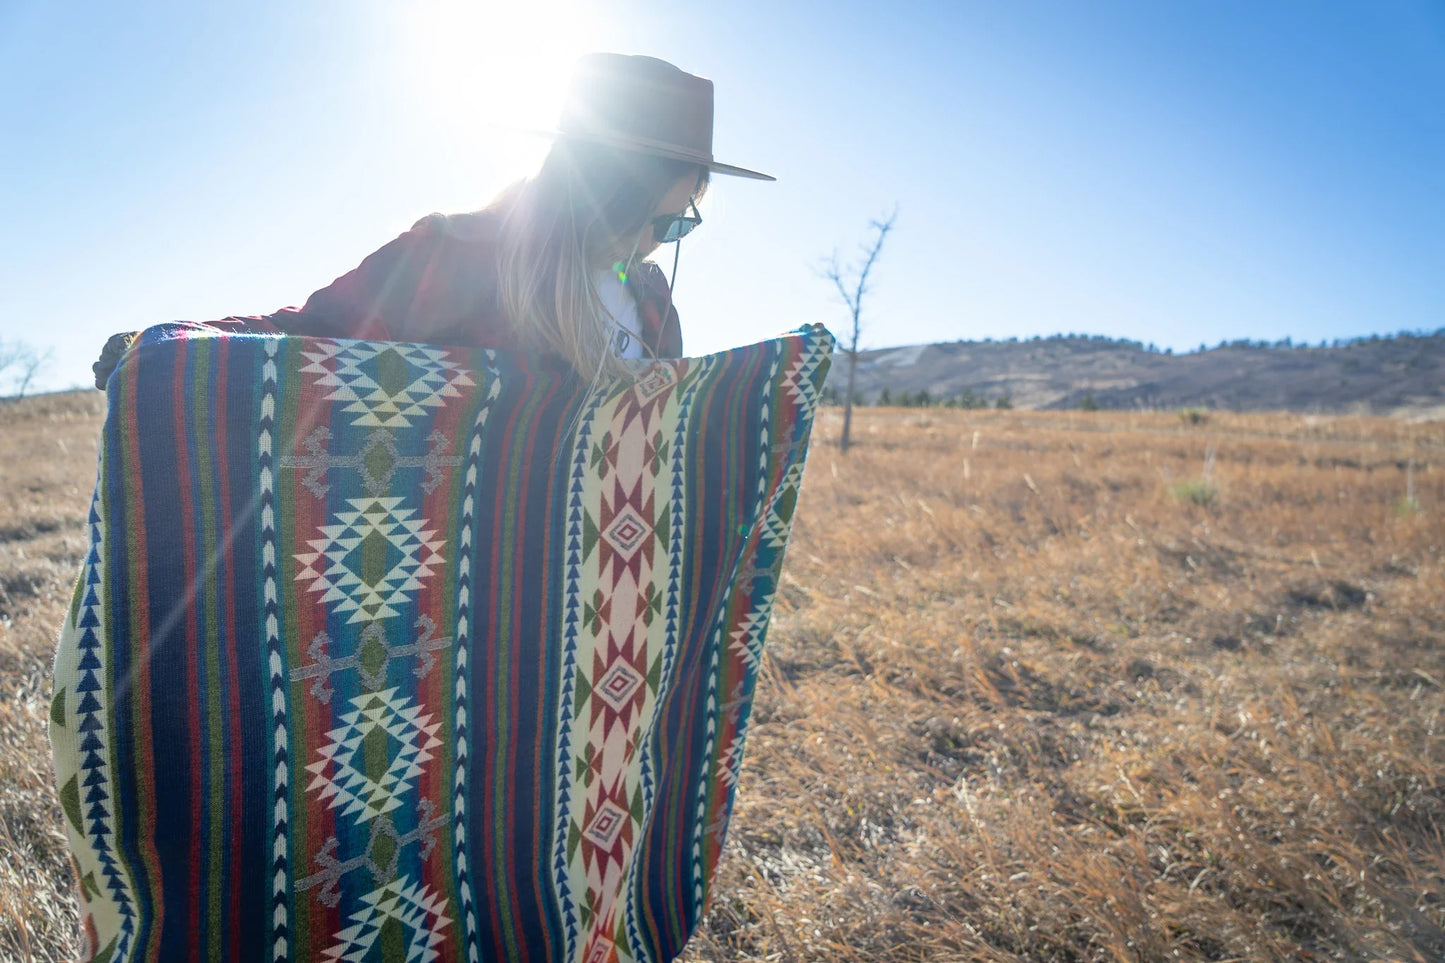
[[645, 105]]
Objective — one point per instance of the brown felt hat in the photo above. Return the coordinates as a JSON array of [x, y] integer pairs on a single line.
[[646, 105]]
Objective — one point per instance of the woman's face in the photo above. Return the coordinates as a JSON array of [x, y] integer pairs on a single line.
[[674, 202]]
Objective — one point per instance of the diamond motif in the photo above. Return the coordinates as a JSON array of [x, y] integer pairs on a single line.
[[662, 377], [619, 684], [401, 914], [601, 950], [627, 531], [385, 384], [378, 462], [747, 638], [606, 825], [374, 756], [800, 380], [372, 559]]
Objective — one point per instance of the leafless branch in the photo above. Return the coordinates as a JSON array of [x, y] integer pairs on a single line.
[[19, 364], [852, 284]]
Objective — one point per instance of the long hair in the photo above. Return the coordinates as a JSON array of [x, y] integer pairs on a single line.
[[560, 228]]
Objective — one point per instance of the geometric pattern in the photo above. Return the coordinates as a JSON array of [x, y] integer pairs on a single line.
[[374, 756], [275, 663], [620, 649], [602, 951], [801, 381], [618, 685], [374, 558], [627, 531], [658, 379], [606, 825], [723, 743], [756, 583], [371, 658], [747, 639], [380, 858], [403, 919], [385, 384], [462, 733], [378, 461], [255, 758], [87, 785]]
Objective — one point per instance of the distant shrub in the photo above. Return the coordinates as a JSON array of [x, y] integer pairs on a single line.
[[1088, 402], [1406, 506], [1004, 402], [1193, 416], [1196, 491], [970, 399]]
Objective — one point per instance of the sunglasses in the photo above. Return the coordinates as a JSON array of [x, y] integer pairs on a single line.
[[675, 227]]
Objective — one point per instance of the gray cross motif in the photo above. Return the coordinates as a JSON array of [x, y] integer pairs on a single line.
[[323, 666], [735, 704], [382, 870], [718, 829], [755, 573], [787, 447], [377, 462]]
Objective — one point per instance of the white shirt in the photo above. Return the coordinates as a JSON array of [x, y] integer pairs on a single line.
[[618, 302]]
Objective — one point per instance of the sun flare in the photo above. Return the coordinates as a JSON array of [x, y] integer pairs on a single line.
[[489, 75]]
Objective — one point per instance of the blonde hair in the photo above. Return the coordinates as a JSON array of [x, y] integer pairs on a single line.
[[563, 225]]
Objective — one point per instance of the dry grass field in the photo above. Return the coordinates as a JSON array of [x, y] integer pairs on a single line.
[[1040, 686]]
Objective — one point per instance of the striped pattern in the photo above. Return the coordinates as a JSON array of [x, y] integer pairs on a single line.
[[399, 652]]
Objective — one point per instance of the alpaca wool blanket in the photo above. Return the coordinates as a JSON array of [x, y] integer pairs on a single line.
[[389, 651]]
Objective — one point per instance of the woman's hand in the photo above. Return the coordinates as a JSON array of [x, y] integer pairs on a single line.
[[110, 357]]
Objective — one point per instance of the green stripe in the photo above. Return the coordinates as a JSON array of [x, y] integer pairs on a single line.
[[216, 754], [131, 520], [500, 713]]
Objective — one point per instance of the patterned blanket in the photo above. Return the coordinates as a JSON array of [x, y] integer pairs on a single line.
[[392, 651]]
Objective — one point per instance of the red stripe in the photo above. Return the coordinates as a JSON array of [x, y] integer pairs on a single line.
[[231, 655], [133, 514], [730, 665], [180, 413], [509, 780], [540, 857], [686, 764], [433, 693], [313, 820], [517, 654]]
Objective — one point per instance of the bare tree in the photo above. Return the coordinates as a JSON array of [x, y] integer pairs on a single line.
[[852, 284], [19, 364]]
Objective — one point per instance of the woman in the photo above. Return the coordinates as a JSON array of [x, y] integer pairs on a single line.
[[555, 263]]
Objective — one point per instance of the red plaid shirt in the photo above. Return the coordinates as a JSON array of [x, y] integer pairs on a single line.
[[437, 284]]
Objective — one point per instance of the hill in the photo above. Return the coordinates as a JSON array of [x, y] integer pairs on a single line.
[[1399, 375]]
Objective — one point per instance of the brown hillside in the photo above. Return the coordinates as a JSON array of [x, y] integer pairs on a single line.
[[1398, 375]]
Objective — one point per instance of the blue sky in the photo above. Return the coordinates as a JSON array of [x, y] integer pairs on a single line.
[[1178, 172]]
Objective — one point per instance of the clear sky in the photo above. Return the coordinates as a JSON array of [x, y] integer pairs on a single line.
[[1177, 172]]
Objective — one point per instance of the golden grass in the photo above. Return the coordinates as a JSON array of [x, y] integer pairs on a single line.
[[46, 476], [1023, 700]]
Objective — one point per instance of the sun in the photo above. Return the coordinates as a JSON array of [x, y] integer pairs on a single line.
[[488, 73]]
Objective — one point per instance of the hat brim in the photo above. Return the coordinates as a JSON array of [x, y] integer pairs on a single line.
[[732, 171], [656, 150]]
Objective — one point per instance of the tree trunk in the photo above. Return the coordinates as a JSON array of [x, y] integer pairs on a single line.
[[848, 399]]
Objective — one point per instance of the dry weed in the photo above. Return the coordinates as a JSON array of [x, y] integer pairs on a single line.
[[1021, 701]]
